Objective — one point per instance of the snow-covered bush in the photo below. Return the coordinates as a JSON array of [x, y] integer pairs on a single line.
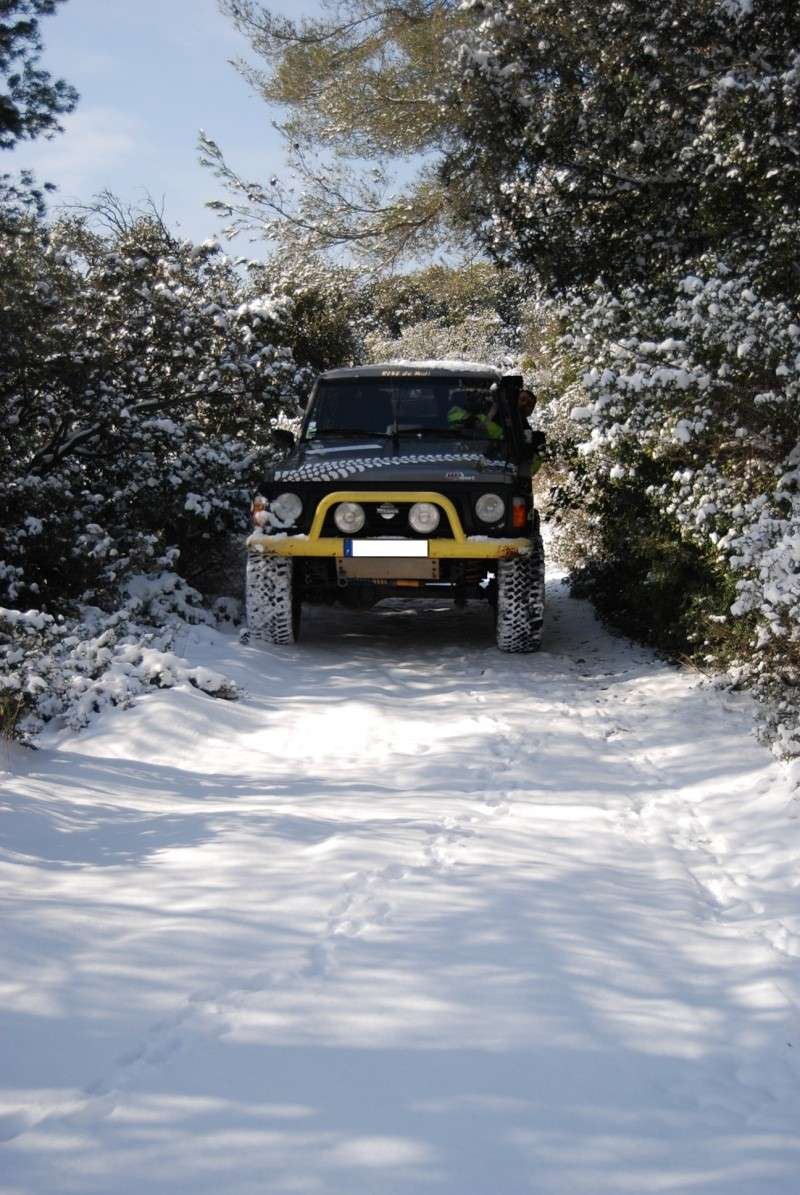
[[677, 412], [476, 338], [643, 162], [139, 378], [71, 668], [469, 313], [322, 325]]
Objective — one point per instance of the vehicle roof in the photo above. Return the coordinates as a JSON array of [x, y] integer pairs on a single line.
[[387, 369]]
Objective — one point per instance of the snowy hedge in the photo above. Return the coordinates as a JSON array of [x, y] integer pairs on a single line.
[[643, 163], [471, 313], [140, 378], [137, 383], [677, 412]]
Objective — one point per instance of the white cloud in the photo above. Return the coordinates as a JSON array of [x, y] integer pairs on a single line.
[[95, 144]]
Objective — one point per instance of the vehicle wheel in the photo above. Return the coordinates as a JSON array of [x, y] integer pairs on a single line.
[[520, 601], [272, 599]]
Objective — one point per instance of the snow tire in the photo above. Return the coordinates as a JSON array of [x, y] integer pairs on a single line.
[[272, 600], [520, 601]]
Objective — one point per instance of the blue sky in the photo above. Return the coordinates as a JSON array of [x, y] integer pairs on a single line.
[[150, 74]]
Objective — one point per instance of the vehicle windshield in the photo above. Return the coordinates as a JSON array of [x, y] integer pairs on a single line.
[[446, 407]]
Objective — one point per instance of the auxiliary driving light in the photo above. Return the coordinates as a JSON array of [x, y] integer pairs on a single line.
[[424, 517], [349, 517]]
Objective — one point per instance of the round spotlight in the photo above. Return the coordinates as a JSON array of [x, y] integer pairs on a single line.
[[349, 517], [424, 517]]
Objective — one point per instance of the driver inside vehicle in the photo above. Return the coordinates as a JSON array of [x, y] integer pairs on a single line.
[[471, 409]]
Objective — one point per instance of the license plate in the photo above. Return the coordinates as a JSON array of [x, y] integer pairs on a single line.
[[386, 548]]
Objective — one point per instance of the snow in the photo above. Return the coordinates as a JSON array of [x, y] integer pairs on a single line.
[[29, 620], [456, 365], [737, 8], [410, 916]]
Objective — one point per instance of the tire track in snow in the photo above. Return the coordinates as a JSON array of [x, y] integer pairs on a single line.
[[664, 816]]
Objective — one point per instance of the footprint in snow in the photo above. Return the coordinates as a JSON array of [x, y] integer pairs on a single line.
[[440, 858], [617, 732]]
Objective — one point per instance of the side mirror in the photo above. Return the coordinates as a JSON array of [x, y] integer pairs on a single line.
[[526, 401], [282, 438]]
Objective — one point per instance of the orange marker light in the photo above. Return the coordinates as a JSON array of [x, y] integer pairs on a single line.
[[519, 515], [258, 511]]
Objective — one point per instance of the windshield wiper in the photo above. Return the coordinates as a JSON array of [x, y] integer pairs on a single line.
[[461, 433], [352, 431]]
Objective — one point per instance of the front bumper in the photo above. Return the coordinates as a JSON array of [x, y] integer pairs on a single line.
[[460, 547]]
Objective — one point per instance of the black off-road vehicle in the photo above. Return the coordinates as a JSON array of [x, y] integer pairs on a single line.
[[409, 479]]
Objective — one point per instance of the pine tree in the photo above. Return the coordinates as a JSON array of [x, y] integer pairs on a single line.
[[31, 101], [360, 90]]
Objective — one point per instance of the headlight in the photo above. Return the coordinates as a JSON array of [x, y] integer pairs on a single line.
[[424, 517], [349, 517], [490, 508], [287, 507]]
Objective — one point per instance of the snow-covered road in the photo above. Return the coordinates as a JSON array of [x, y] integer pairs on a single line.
[[410, 917]]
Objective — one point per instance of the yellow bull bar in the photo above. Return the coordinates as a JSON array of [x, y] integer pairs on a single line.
[[460, 547]]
